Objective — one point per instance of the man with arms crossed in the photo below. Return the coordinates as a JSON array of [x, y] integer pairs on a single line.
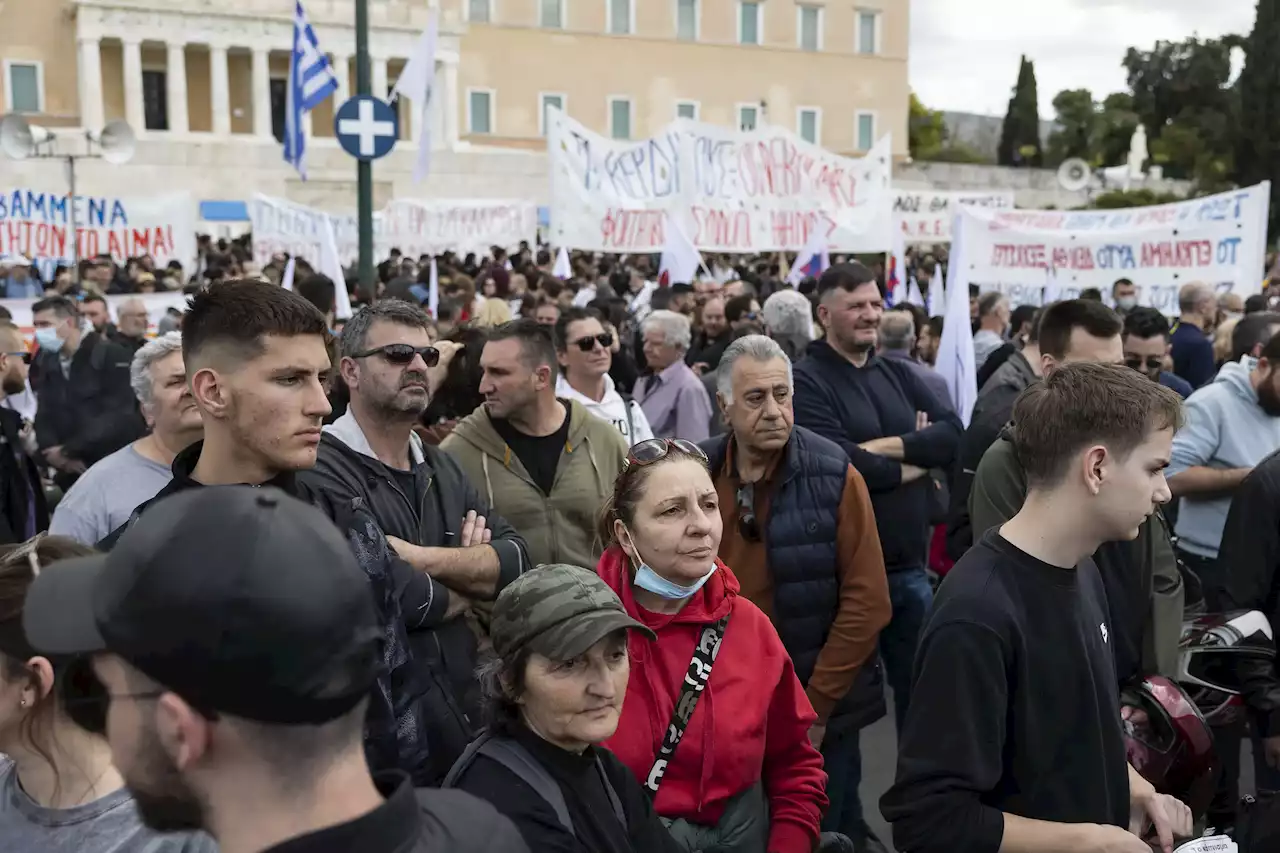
[[1013, 740]]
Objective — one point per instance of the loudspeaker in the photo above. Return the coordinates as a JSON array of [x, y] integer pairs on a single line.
[[117, 142]]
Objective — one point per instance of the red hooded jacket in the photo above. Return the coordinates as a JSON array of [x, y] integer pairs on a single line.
[[751, 724]]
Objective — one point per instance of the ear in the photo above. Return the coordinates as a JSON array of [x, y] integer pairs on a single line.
[[509, 689], [824, 315], [40, 681], [183, 733], [149, 415], [350, 372], [724, 406], [1047, 363], [1095, 461], [1168, 350], [210, 392], [542, 377], [623, 538]]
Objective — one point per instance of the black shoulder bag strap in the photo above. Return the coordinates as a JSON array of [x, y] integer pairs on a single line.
[[631, 427], [695, 681]]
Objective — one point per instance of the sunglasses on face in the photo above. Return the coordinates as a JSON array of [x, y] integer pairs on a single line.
[[402, 354], [87, 700], [25, 356], [650, 451], [588, 343], [748, 525], [1150, 365]]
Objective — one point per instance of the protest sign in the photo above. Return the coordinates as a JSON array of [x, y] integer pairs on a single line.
[[925, 216], [415, 227], [730, 191], [158, 304], [53, 229], [1219, 240]]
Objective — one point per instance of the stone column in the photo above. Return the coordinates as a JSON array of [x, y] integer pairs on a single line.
[[176, 74], [219, 90], [341, 70], [90, 85], [449, 105], [261, 93], [134, 110], [378, 80]]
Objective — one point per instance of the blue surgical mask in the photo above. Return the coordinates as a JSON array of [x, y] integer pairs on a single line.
[[47, 338], [650, 581]]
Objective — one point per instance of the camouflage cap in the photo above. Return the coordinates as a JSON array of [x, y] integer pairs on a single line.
[[558, 611]]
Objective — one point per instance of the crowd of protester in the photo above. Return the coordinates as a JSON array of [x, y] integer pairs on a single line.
[[598, 564]]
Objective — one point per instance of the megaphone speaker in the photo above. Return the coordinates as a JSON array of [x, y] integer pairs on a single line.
[[16, 139], [117, 142]]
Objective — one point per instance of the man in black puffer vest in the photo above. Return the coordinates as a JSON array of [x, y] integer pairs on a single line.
[[800, 536], [255, 357]]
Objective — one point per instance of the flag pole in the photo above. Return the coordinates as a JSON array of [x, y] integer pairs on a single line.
[[364, 168]]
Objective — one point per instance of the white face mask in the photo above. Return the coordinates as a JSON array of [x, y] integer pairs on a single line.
[[1127, 303]]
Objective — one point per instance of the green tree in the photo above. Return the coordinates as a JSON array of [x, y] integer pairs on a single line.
[[926, 130], [1020, 136], [1180, 94], [1076, 133], [1117, 122], [1117, 199], [1258, 146]]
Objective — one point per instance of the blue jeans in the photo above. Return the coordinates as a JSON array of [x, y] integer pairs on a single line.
[[911, 597], [842, 759]]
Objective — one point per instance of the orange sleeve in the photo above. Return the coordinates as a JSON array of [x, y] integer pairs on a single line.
[[864, 607]]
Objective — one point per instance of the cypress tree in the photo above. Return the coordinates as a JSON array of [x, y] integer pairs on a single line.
[[1258, 145], [1020, 136]]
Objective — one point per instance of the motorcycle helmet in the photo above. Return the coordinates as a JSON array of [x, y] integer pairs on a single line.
[[1214, 652], [1168, 741]]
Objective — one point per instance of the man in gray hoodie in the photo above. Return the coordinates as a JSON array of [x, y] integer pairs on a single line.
[[1232, 424]]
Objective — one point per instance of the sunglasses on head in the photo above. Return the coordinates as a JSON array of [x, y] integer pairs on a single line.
[[402, 354], [25, 356], [588, 343], [651, 450]]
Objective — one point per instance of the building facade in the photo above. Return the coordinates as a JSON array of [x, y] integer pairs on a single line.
[[203, 84]]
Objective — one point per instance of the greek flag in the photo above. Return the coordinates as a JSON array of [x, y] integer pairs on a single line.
[[311, 80]]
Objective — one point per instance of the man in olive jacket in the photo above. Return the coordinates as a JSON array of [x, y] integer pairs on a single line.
[[1144, 587]]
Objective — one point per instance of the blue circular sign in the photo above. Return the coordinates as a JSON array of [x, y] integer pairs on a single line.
[[366, 127]]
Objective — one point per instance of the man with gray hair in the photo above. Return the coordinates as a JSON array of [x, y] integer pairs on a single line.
[[898, 342], [433, 517], [672, 397], [1191, 343], [800, 535], [108, 493], [788, 318]]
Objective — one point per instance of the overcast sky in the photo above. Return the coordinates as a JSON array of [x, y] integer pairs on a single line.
[[964, 53]]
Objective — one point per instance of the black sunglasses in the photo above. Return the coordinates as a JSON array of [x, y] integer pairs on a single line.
[[651, 450], [25, 356], [1152, 363], [402, 354], [748, 525], [588, 343], [85, 697]]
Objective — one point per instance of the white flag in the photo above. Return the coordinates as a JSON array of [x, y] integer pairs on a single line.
[[956, 360], [563, 269], [287, 281], [913, 293], [417, 82], [331, 265], [433, 291], [680, 258]]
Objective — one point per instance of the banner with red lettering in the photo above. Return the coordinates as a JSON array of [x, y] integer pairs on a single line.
[[925, 216], [414, 226], [1219, 240], [730, 191], [53, 229]]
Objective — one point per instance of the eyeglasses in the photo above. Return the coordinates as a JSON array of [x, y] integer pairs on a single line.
[[651, 450], [85, 697], [588, 343], [1151, 364], [402, 354], [25, 356], [748, 525]]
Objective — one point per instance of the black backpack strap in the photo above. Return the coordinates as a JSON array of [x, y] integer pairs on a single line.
[[511, 755]]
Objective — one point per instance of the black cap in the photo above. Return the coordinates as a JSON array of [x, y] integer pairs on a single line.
[[242, 600]]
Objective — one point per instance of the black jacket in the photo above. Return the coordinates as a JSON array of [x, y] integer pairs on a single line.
[[1251, 552], [851, 405], [993, 409], [20, 487], [92, 412]]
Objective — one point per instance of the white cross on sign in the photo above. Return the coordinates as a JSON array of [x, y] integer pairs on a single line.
[[366, 128]]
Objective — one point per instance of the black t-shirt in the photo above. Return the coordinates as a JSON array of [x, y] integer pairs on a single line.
[[596, 828], [405, 480], [1015, 706], [539, 454]]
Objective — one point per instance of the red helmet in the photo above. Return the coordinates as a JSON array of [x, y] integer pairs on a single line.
[[1168, 741], [1215, 650]]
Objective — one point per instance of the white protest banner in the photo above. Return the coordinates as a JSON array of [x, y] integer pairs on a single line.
[[733, 191], [158, 304], [1219, 240], [38, 225], [925, 215], [415, 227]]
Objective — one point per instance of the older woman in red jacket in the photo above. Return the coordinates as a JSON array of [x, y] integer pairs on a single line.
[[715, 720]]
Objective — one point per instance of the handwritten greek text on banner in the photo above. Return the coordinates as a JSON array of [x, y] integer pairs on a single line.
[[38, 225], [1219, 240], [731, 191], [414, 227], [925, 216]]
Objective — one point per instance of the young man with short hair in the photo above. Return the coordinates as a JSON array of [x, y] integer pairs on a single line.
[[1146, 344], [1013, 741]]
